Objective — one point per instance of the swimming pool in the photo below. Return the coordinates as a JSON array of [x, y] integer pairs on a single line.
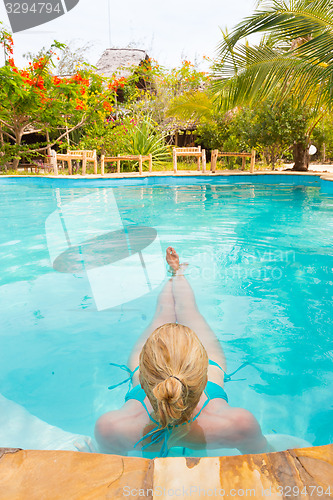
[[261, 265]]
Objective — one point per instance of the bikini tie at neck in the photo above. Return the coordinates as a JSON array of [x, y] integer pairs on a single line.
[[158, 434]]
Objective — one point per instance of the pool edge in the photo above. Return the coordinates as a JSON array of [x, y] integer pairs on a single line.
[[65, 474], [318, 179]]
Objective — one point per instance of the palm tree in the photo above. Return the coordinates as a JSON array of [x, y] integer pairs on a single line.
[[294, 57]]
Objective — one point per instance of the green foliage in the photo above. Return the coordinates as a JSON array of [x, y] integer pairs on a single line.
[[214, 134], [269, 129], [293, 58], [196, 104], [107, 136], [10, 152], [323, 134], [272, 129], [134, 136], [144, 139], [168, 85]]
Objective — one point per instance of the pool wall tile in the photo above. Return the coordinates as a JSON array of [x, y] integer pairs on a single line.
[[327, 184], [308, 179]]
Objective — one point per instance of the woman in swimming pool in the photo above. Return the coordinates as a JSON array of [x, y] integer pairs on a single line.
[[177, 369]]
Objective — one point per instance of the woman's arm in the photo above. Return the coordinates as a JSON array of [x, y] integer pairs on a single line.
[[235, 428], [118, 431], [109, 431]]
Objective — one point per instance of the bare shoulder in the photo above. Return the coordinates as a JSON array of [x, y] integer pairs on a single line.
[[117, 431], [229, 427]]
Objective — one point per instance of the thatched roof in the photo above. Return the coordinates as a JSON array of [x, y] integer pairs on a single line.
[[173, 125], [118, 60]]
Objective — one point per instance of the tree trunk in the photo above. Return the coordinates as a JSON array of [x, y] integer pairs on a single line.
[[16, 162], [301, 157], [18, 135], [2, 152], [48, 143]]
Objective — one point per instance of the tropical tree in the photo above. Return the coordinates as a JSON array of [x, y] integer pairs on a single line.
[[168, 85], [271, 130], [293, 58], [34, 100]]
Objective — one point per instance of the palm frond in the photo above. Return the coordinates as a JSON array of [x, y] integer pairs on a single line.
[[192, 105], [261, 72], [295, 19], [295, 55]]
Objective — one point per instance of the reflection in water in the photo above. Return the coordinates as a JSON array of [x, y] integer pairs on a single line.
[[87, 235]]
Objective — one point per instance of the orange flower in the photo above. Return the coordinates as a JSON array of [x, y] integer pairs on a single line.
[[40, 64], [107, 106], [79, 104], [120, 82], [56, 80]]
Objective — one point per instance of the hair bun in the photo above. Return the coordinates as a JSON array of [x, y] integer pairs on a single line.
[[169, 390], [169, 396]]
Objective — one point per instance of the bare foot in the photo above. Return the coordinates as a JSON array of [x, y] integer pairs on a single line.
[[172, 259]]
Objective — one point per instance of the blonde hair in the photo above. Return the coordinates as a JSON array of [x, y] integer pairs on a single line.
[[173, 373]]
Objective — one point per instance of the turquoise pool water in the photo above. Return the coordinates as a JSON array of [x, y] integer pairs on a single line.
[[261, 267]]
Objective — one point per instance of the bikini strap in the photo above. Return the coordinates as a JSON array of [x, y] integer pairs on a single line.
[[203, 406], [129, 379], [227, 377], [156, 436]]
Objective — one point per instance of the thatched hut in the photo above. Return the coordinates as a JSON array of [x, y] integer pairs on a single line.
[[117, 63], [180, 133], [120, 62]]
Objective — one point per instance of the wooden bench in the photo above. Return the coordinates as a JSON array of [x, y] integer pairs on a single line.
[[37, 167], [84, 155], [216, 154], [119, 158], [28, 166], [196, 152]]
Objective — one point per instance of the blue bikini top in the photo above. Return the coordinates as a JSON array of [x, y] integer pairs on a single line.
[[212, 391]]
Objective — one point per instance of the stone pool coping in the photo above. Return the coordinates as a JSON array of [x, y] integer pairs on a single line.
[[170, 173], [73, 475], [53, 475]]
